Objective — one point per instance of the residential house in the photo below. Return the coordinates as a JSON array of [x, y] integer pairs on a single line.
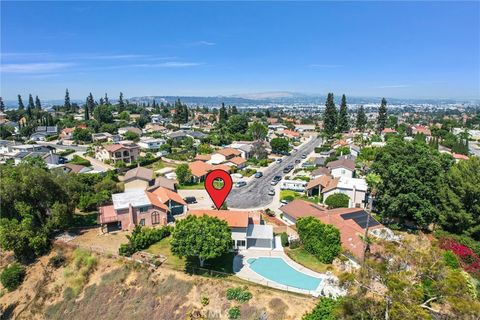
[[458, 157], [291, 134], [43, 132], [223, 155], [170, 184], [342, 168], [305, 128], [294, 185], [75, 168], [139, 178], [320, 172], [277, 127], [118, 152], [354, 150], [315, 186], [140, 207], [248, 230], [237, 162], [355, 189], [200, 169], [418, 129], [150, 143], [351, 222], [124, 130], [154, 127]]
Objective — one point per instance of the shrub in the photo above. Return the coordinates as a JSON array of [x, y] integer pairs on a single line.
[[57, 260], [142, 238], [319, 239], [205, 301], [234, 313], [451, 259], [76, 159], [12, 276], [294, 244], [239, 294], [337, 200], [324, 310], [284, 238]]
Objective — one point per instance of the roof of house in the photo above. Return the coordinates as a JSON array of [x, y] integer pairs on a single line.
[[291, 133], [132, 129], [68, 130], [320, 172], [134, 197], [165, 195], [331, 185], [75, 168], [320, 181], [200, 168], [389, 130], [342, 163], [260, 231], [165, 183], [237, 160], [460, 156], [139, 173], [234, 219], [229, 152], [203, 157], [156, 201], [350, 221], [113, 147]]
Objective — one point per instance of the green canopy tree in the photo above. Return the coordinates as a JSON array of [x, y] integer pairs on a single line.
[[223, 115], [321, 240], [330, 116], [38, 104], [202, 237], [21, 106], [67, 104], [184, 175], [343, 125], [258, 131], [279, 145], [237, 123], [30, 106], [121, 103], [337, 200]]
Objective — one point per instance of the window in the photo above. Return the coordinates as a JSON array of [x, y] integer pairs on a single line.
[[143, 209], [142, 222], [240, 243], [155, 217]]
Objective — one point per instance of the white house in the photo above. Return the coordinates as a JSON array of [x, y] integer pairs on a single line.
[[342, 168], [294, 185], [150, 143], [354, 188]]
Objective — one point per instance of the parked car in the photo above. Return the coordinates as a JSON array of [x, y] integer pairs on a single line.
[[190, 200], [284, 201], [237, 175], [277, 178], [279, 160], [258, 175], [274, 183], [304, 156], [286, 170], [271, 192], [240, 184], [297, 161]]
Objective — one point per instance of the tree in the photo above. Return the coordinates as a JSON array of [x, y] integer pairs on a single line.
[[330, 116], [361, 119], [82, 135], [205, 148], [184, 175], [12, 276], [202, 237], [324, 310], [343, 116], [237, 124], [30, 106], [121, 104], [86, 113], [412, 175], [20, 103], [124, 115], [279, 145], [103, 114], [258, 131], [179, 116], [460, 209], [67, 104], [223, 115], [337, 200], [105, 100], [38, 104], [382, 116], [2, 105], [89, 106], [130, 135], [321, 240]]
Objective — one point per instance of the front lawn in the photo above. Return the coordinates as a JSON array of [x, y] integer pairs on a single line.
[[222, 264], [291, 195], [307, 260], [160, 164], [191, 186]]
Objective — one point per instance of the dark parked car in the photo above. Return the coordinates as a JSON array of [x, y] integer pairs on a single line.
[[240, 184], [258, 175], [190, 200], [297, 161]]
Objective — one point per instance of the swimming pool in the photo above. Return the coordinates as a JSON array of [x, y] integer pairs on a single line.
[[276, 269]]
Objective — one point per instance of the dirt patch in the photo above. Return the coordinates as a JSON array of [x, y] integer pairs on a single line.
[[95, 240]]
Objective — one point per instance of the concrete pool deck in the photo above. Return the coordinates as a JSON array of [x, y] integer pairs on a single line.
[[242, 270]]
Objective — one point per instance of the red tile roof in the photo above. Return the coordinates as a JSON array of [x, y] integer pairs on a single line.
[[237, 160], [291, 133], [234, 219], [164, 195], [229, 152], [459, 156]]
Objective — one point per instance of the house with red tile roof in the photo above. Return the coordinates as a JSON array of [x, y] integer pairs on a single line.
[[140, 207], [200, 169], [249, 231], [291, 134], [458, 156], [351, 222]]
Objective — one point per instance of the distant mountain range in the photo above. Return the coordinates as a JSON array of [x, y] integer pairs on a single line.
[[263, 98]]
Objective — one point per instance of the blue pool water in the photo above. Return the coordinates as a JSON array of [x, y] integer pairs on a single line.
[[276, 269]]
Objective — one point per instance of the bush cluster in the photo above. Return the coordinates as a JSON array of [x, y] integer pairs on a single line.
[[142, 238], [239, 294], [284, 238], [12, 276], [319, 239]]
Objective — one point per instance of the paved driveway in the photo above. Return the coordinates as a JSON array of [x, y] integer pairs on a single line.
[[255, 194]]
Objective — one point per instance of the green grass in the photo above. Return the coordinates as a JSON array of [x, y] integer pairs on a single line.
[[307, 260], [297, 195], [160, 164], [84, 219], [222, 264], [192, 186]]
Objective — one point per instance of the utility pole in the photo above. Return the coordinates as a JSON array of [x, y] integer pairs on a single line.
[[366, 245]]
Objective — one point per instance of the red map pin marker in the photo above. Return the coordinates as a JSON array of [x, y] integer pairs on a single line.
[[218, 196]]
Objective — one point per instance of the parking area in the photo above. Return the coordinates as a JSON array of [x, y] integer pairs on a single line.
[[203, 200]]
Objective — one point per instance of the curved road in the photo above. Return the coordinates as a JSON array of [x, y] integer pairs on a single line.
[[255, 193]]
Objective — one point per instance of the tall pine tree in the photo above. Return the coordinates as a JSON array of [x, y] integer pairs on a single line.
[[105, 100], [382, 116], [20, 103], [121, 104], [2, 105], [361, 119], [67, 105], [223, 115], [30, 105], [38, 104], [330, 116], [86, 112], [343, 116]]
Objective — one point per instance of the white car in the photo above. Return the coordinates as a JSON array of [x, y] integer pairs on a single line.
[[237, 175]]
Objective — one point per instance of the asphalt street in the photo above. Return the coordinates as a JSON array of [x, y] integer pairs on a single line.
[[255, 193]]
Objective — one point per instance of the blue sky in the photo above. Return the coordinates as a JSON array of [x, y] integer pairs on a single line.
[[392, 49]]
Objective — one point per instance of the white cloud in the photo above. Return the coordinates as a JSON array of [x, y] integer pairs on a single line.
[[201, 43], [33, 67]]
